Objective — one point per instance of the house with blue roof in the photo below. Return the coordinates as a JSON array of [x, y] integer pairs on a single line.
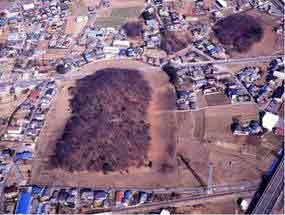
[[3, 21], [23, 155], [37, 189], [24, 203]]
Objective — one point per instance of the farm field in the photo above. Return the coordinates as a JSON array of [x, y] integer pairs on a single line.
[[204, 136]]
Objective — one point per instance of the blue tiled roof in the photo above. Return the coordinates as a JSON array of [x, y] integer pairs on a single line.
[[24, 203], [36, 189], [23, 155]]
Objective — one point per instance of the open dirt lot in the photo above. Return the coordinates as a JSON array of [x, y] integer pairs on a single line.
[[217, 99], [117, 3], [226, 206], [114, 16], [205, 135], [219, 119], [212, 122], [162, 146]]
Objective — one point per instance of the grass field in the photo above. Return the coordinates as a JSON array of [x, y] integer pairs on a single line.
[[118, 16], [110, 21], [126, 12]]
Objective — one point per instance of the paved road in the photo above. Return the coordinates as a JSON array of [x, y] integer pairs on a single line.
[[80, 74], [272, 191], [237, 60]]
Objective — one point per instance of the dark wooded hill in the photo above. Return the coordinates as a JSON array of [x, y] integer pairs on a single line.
[[108, 130], [239, 31]]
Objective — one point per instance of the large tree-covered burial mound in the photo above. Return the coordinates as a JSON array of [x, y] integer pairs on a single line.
[[108, 129], [238, 32]]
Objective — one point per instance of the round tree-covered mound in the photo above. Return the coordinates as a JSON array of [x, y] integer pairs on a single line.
[[238, 31], [133, 29], [108, 129]]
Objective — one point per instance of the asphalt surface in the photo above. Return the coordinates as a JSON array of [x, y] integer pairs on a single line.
[[80, 74], [237, 60]]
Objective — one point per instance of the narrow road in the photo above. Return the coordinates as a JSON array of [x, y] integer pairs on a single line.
[[237, 60], [14, 166], [80, 74]]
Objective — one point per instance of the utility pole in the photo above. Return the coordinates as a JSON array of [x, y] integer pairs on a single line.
[[210, 178]]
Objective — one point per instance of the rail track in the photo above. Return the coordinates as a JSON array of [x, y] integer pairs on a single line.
[[272, 192]]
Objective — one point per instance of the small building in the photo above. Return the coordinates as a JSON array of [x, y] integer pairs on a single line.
[[278, 131], [15, 130], [269, 120], [243, 98], [254, 127], [111, 50], [119, 197], [11, 191], [280, 75], [7, 152], [34, 94], [223, 76], [142, 197], [24, 203], [99, 198], [37, 189], [100, 195], [47, 193], [28, 5], [273, 106], [244, 205], [164, 212], [87, 195], [81, 19], [149, 14], [23, 155], [89, 56], [200, 83], [210, 90], [13, 36], [70, 201], [222, 3], [39, 209], [4, 90], [278, 62], [121, 43], [50, 92], [127, 197]]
